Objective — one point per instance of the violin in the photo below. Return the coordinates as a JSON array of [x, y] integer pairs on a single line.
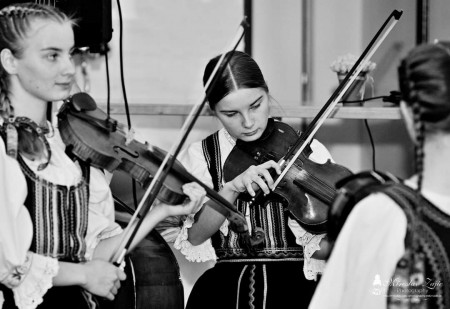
[[308, 189], [93, 137]]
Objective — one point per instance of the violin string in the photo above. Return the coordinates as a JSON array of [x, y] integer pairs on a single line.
[[312, 183]]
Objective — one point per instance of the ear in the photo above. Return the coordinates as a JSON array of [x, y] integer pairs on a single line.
[[8, 61]]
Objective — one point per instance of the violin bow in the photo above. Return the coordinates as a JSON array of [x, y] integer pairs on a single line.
[[158, 179], [315, 124]]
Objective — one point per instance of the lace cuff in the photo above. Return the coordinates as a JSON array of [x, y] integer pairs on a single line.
[[311, 266], [29, 293], [310, 243], [200, 253]]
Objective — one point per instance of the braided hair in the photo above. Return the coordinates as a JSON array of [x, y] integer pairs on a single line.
[[15, 24], [424, 79]]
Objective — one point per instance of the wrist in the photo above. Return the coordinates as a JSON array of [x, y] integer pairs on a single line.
[[229, 192], [83, 275], [159, 211]]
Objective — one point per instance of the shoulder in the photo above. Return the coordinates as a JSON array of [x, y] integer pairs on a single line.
[[376, 208], [192, 154]]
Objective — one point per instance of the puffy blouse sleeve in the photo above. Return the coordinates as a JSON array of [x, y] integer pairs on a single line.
[[101, 223], [29, 275], [192, 158]]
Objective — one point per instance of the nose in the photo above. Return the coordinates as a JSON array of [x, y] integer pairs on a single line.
[[247, 120], [68, 66]]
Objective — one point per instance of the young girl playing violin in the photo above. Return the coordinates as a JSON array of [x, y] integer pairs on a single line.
[[363, 269], [279, 272], [57, 224]]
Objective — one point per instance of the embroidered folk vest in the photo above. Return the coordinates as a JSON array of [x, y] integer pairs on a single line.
[[59, 215], [279, 241]]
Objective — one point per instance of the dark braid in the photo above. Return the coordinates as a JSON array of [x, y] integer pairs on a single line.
[[419, 128], [424, 79]]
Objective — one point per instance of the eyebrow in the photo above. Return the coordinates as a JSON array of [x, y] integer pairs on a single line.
[[56, 49], [251, 104]]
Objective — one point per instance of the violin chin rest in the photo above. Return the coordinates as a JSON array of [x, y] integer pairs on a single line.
[[83, 102]]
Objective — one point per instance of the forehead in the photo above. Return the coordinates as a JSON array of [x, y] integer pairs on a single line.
[[45, 33], [241, 98]]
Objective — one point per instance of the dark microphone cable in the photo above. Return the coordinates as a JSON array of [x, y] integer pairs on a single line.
[[393, 97]]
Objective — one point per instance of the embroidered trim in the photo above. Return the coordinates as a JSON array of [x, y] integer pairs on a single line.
[[239, 285], [262, 260], [265, 286], [45, 202], [251, 293], [229, 138]]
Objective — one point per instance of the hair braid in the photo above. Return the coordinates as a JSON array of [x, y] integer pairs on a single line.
[[419, 152], [15, 24]]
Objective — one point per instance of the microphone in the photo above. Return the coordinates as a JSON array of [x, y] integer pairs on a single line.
[[394, 97]]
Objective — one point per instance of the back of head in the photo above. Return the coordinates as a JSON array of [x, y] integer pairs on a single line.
[[424, 79], [15, 24], [240, 72]]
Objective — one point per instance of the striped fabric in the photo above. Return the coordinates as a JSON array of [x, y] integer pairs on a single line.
[[59, 215], [279, 241]]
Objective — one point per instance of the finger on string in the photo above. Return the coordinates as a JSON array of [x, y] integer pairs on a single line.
[[272, 164], [262, 184], [249, 188], [267, 177]]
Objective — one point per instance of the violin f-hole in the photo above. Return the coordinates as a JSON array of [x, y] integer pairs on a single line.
[[118, 149]]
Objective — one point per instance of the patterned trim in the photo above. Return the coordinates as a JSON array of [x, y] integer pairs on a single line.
[[211, 151], [280, 243], [60, 216], [265, 286], [260, 260], [436, 257], [422, 238], [239, 285], [251, 293], [435, 214]]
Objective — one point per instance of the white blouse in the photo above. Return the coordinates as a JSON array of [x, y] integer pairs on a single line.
[[194, 161], [368, 248], [16, 228]]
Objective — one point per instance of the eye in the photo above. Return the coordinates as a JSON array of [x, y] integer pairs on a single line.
[[230, 114], [255, 106], [52, 56]]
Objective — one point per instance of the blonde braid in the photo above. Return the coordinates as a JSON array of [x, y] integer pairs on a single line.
[[15, 24]]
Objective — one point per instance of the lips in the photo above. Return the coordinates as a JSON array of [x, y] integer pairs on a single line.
[[250, 133]]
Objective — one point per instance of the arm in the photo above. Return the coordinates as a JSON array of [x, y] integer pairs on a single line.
[[158, 212], [211, 216]]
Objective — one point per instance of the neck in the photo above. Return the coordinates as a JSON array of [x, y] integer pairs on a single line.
[[27, 105], [436, 175]]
